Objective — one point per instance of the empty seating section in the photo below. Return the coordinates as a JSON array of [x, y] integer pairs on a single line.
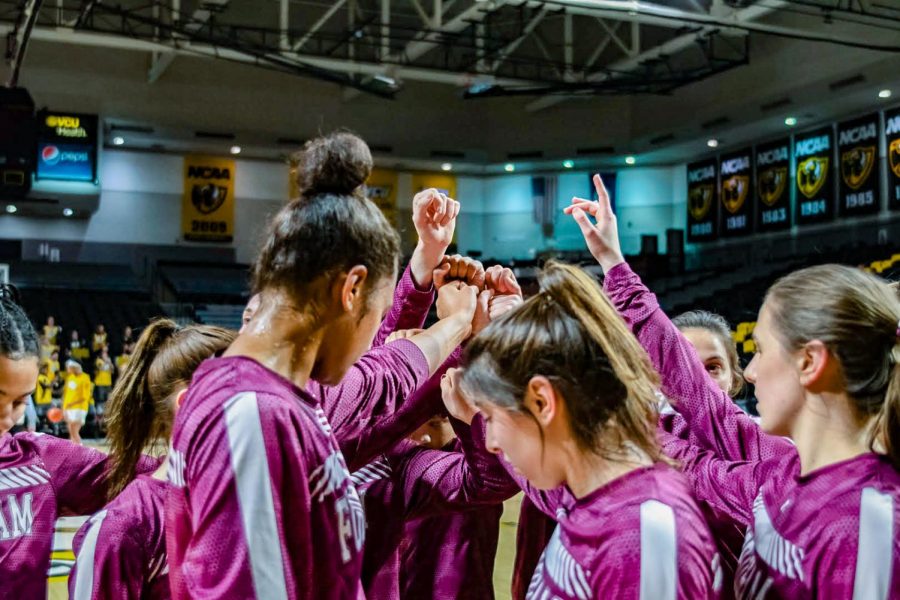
[[223, 315], [209, 282]]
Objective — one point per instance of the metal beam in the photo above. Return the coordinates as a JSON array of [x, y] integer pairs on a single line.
[[426, 20], [67, 35], [385, 28], [417, 48], [161, 61], [601, 47], [739, 20], [318, 24], [670, 47], [568, 43], [615, 38], [284, 23], [514, 45]]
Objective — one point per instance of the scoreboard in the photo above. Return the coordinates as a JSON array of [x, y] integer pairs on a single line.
[[66, 146]]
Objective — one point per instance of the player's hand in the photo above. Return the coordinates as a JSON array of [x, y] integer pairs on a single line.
[[456, 299], [602, 236], [457, 405], [463, 268]]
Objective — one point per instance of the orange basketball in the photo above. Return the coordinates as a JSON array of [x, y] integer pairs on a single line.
[[55, 415]]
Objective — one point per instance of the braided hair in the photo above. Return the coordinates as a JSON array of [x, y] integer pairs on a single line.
[[18, 339]]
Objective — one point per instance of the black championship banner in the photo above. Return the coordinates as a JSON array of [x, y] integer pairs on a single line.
[[736, 169], [858, 154], [892, 135], [814, 155], [702, 201], [773, 192]]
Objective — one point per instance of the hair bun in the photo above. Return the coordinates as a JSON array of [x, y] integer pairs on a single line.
[[337, 163]]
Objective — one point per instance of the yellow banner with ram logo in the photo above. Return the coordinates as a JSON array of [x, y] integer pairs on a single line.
[[207, 207]]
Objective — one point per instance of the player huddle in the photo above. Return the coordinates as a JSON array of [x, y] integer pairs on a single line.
[[303, 456]]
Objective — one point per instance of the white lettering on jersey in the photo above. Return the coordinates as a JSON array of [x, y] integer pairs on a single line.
[[21, 516]]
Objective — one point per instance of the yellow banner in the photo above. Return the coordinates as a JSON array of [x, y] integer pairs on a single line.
[[446, 184], [382, 190], [207, 208]]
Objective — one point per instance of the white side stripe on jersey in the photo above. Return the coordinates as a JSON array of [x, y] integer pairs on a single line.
[[15, 477], [564, 570], [875, 555], [659, 556], [254, 487], [375, 470], [84, 562]]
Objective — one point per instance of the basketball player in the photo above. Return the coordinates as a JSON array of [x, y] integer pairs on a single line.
[[821, 513], [262, 504], [568, 397]]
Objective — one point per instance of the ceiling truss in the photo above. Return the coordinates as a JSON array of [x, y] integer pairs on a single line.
[[554, 49]]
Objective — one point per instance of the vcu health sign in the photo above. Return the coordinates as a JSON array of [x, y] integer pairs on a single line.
[[207, 208]]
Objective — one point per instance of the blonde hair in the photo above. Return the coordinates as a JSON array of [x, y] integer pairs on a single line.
[[855, 314], [570, 333]]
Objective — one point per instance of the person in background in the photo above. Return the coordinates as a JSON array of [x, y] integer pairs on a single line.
[[47, 348], [77, 349], [127, 336], [51, 330], [76, 399], [122, 359], [99, 341], [53, 363], [103, 376], [43, 395]]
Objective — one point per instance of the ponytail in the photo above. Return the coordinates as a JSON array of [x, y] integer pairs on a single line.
[[140, 410], [887, 425], [131, 413], [570, 333]]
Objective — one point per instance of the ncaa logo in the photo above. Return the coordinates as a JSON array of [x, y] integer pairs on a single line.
[[51, 155]]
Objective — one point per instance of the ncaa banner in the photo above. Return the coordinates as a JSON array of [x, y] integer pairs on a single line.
[[892, 136], [381, 188], [207, 207], [736, 169], [858, 152], [773, 194], [702, 200], [814, 156]]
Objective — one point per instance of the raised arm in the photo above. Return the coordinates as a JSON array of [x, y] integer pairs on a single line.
[[715, 421], [363, 437], [437, 481], [408, 310], [434, 216], [730, 487]]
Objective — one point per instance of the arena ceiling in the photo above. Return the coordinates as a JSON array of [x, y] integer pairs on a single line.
[[535, 61]]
